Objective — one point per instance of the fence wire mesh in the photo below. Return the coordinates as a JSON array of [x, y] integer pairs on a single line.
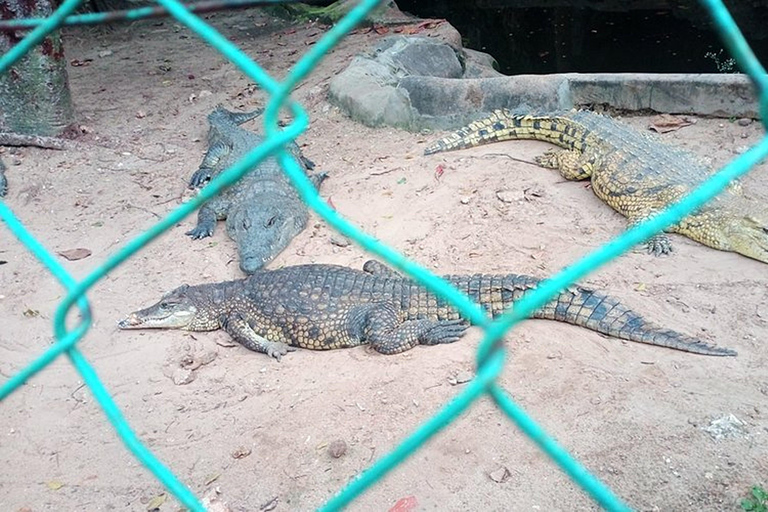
[[491, 352]]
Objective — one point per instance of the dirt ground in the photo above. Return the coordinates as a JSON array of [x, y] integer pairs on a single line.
[[258, 430]]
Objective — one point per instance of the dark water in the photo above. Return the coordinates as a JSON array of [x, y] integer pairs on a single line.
[[558, 40]]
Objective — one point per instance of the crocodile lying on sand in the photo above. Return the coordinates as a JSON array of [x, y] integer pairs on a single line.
[[3, 181], [263, 211], [325, 307], [636, 174]]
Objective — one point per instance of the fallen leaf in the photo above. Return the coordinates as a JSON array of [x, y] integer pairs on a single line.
[[270, 505], [31, 313], [224, 342], [664, 123], [500, 476], [156, 502], [406, 504], [212, 478], [640, 287], [75, 254], [54, 485]]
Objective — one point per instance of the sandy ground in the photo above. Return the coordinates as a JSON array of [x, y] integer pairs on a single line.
[[259, 430]]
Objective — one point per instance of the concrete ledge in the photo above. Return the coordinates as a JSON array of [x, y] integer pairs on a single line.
[[718, 95]]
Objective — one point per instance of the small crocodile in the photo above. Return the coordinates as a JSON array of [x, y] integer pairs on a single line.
[[324, 307], [633, 172], [3, 181], [263, 211]]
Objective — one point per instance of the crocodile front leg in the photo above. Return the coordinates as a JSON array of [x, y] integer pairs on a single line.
[[237, 327], [206, 223], [382, 328], [210, 160]]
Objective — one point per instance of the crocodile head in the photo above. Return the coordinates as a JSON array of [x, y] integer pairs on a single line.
[[178, 309], [735, 224], [262, 231], [748, 235]]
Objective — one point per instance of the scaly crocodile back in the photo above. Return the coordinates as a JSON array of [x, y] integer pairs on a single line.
[[316, 290]]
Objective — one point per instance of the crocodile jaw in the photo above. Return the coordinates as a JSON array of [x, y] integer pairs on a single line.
[[175, 310], [155, 318]]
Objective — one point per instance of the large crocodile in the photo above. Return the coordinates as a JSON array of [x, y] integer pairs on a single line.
[[635, 173], [328, 306], [263, 211]]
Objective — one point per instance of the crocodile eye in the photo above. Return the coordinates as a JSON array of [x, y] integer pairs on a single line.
[[164, 305], [271, 221], [246, 223]]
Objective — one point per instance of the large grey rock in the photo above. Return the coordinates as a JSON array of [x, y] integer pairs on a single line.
[[376, 88]]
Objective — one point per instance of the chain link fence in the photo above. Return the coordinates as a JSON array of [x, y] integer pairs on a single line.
[[491, 353]]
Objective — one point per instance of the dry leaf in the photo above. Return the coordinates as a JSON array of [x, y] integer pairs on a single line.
[[156, 502], [406, 504], [501, 475], [75, 254], [212, 478], [664, 123], [54, 485]]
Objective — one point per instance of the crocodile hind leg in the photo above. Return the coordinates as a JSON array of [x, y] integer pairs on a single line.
[[572, 164], [385, 332], [237, 327]]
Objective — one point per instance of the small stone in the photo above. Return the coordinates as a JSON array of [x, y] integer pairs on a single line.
[[205, 93], [141, 114], [241, 452], [744, 121], [105, 53], [182, 376], [340, 240], [465, 199], [337, 448], [508, 196]]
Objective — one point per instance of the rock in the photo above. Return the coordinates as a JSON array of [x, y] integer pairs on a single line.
[[508, 196], [744, 121], [337, 448], [340, 240], [378, 88], [182, 376]]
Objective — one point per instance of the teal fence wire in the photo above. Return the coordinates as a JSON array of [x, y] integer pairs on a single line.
[[491, 353]]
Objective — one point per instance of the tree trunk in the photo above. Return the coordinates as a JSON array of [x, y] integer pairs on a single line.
[[34, 92]]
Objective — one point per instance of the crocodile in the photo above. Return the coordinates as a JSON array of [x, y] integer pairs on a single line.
[[263, 211], [3, 181], [321, 307], [632, 171]]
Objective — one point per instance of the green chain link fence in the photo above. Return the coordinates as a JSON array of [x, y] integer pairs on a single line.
[[491, 353]]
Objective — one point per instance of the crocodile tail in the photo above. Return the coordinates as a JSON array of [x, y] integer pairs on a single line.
[[503, 125], [607, 315]]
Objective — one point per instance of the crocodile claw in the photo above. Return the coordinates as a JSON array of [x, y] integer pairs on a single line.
[[659, 245], [200, 177], [199, 232], [446, 331], [278, 350]]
